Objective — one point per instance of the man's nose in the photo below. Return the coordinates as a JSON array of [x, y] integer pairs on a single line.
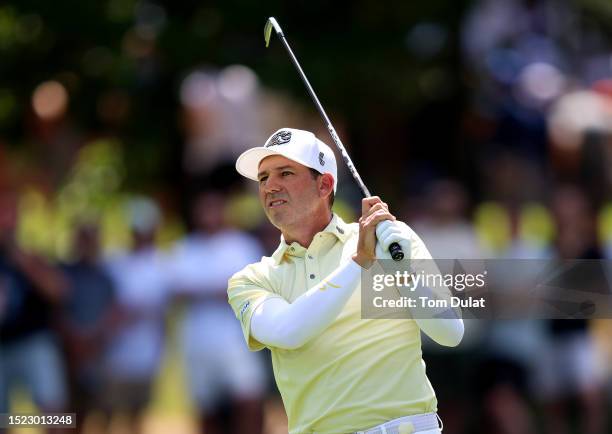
[[272, 184]]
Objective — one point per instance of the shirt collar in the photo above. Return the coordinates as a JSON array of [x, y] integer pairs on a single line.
[[336, 227]]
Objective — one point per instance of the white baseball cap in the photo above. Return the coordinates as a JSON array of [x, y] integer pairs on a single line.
[[297, 145]]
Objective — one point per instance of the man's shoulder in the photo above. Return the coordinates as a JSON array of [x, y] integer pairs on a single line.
[[353, 227], [344, 227], [255, 271], [419, 249], [412, 232]]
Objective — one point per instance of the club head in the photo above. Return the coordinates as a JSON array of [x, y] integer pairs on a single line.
[[271, 23]]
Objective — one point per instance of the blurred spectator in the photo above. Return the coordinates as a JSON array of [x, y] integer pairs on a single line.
[[569, 369], [225, 379], [508, 373], [86, 321], [222, 115], [448, 234], [30, 290], [137, 342], [580, 129], [446, 229]]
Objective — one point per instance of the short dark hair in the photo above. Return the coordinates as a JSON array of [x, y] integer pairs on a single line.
[[315, 175]]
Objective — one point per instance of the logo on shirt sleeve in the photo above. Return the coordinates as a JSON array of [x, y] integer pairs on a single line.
[[243, 309]]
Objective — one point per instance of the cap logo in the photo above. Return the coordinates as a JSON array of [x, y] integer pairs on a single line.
[[321, 160], [279, 138]]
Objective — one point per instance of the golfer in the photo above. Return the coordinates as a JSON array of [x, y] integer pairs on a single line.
[[337, 373]]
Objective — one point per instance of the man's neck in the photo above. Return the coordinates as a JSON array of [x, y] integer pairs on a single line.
[[303, 234]]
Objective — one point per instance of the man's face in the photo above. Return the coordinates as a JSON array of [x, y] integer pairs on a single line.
[[287, 191]]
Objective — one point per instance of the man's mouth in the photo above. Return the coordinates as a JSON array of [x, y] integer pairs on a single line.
[[276, 202]]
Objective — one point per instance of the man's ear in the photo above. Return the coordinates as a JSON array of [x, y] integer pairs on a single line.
[[326, 184]]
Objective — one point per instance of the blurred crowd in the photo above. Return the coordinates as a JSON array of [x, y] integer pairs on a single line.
[[93, 273], [88, 332]]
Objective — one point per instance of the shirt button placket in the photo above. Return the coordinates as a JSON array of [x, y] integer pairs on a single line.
[[309, 268], [310, 265]]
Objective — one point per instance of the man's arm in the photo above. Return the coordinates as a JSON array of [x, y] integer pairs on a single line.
[[48, 280], [277, 323], [443, 325], [280, 324]]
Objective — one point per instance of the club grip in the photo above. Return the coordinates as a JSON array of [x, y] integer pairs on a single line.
[[396, 252]]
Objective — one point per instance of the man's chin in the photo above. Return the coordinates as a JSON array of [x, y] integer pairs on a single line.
[[277, 218]]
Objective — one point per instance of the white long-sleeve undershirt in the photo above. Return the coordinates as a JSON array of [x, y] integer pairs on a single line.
[[444, 327], [278, 323]]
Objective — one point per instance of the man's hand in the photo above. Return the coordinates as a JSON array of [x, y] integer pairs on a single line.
[[373, 211]]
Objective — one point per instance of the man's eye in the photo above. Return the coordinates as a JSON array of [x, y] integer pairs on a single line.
[[263, 179], [285, 173]]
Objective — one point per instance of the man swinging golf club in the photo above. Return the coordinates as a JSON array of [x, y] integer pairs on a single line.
[[336, 372]]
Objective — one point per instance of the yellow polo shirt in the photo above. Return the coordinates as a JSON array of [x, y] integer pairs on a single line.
[[355, 375]]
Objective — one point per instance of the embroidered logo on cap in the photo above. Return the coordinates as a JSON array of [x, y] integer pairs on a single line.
[[279, 138], [321, 161]]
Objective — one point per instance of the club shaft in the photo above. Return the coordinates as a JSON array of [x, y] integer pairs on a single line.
[[394, 249], [330, 127]]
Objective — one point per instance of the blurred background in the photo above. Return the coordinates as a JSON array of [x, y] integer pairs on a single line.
[[485, 124]]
